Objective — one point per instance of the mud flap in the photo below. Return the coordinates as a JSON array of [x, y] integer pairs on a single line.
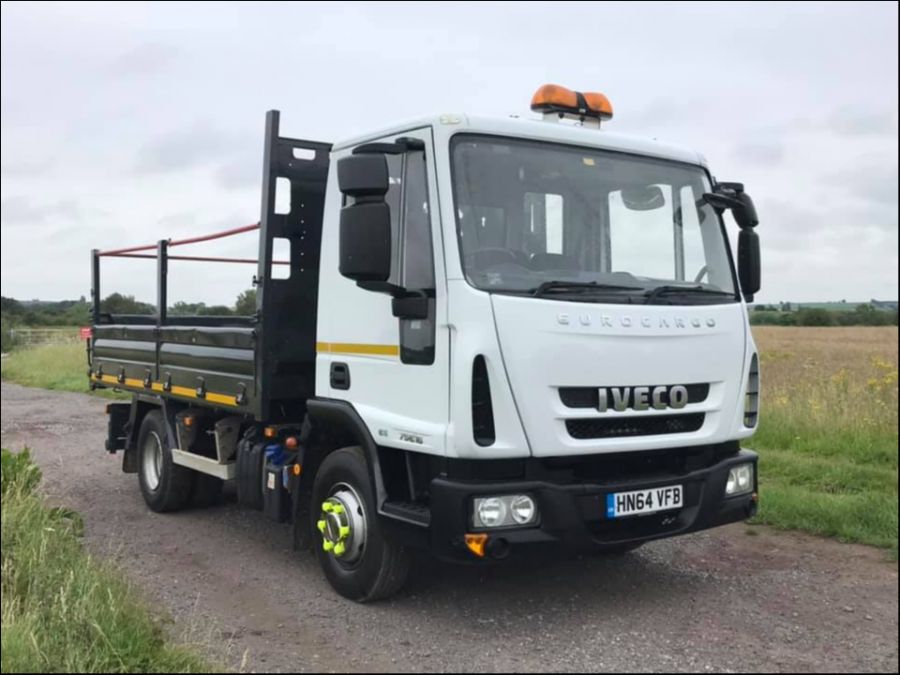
[[117, 416]]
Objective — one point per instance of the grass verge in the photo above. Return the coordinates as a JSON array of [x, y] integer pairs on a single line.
[[61, 367], [62, 611]]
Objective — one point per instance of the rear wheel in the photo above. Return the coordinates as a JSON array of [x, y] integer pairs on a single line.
[[165, 486], [358, 561]]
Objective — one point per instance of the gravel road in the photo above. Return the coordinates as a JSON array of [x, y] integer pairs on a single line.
[[737, 598]]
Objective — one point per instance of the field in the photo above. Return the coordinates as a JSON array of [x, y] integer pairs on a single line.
[[63, 611], [828, 433]]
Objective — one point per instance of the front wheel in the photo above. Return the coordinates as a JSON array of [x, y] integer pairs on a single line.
[[358, 561]]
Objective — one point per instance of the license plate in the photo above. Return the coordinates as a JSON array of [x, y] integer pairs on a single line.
[[640, 502]]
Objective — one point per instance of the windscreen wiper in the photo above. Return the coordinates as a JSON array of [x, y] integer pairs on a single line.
[[578, 287], [661, 291]]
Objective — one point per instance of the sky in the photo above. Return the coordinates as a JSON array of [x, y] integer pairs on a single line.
[[127, 123]]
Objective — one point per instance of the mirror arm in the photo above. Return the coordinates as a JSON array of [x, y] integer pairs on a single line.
[[400, 146], [721, 201]]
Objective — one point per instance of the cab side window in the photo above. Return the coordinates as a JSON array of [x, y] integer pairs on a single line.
[[416, 256], [417, 253], [393, 199]]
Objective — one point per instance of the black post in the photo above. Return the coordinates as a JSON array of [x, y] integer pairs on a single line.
[[162, 272], [95, 286], [267, 208], [266, 228]]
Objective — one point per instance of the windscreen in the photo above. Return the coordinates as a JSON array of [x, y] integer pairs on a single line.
[[533, 216]]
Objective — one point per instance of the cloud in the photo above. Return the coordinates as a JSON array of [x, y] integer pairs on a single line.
[[243, 169], [766, 152], [21, 210], [868, 180], [181, 218], [239, 174], [24, 168], [143, 59], [233, 161], [184, 148], [851, 121]]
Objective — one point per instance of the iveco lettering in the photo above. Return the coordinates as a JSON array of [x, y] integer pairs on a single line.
[[473, 337]]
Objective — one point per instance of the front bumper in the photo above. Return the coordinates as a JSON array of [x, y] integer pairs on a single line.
[[572, 516]]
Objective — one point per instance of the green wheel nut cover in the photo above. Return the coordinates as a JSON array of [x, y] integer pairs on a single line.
[[333, 510]]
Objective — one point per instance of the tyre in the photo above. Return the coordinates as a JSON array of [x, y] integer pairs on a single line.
[[207, 490], [358, 561], [165, 486]]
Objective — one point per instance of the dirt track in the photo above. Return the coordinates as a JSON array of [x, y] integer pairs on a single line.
[[737, 598]]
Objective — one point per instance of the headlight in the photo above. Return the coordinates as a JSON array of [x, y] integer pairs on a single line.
[[740, 480], [505, 511]]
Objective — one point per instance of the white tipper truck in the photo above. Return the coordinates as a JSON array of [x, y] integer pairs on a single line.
[[483, 336]]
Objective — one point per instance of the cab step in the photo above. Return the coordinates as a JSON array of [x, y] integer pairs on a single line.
[[416, 514]]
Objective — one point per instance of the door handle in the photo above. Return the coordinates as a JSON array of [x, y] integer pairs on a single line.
[[340, 376]]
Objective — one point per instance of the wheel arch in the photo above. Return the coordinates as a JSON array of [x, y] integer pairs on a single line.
[[339, 419], [141, 405]]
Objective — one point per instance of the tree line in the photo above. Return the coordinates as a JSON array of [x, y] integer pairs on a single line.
[[861, 315], [42, 313], [78, 312]]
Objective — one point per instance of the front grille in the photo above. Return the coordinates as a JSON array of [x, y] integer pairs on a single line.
[[588, 397], [655, 425]]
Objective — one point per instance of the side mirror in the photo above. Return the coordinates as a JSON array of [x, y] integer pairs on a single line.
[[365, 226], [745, 214], [749, 267], [365, 242], [363, 176]]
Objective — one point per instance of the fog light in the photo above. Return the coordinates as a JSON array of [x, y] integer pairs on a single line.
[[491, 512], [522, 509], [740, 480], [504, 511]]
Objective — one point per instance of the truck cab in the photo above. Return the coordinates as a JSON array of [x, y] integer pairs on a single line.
[[491, 335]]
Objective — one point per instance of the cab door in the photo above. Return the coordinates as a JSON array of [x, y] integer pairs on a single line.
[[394, 371]]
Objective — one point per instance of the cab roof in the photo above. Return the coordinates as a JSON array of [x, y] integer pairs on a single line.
[[447, 125]]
